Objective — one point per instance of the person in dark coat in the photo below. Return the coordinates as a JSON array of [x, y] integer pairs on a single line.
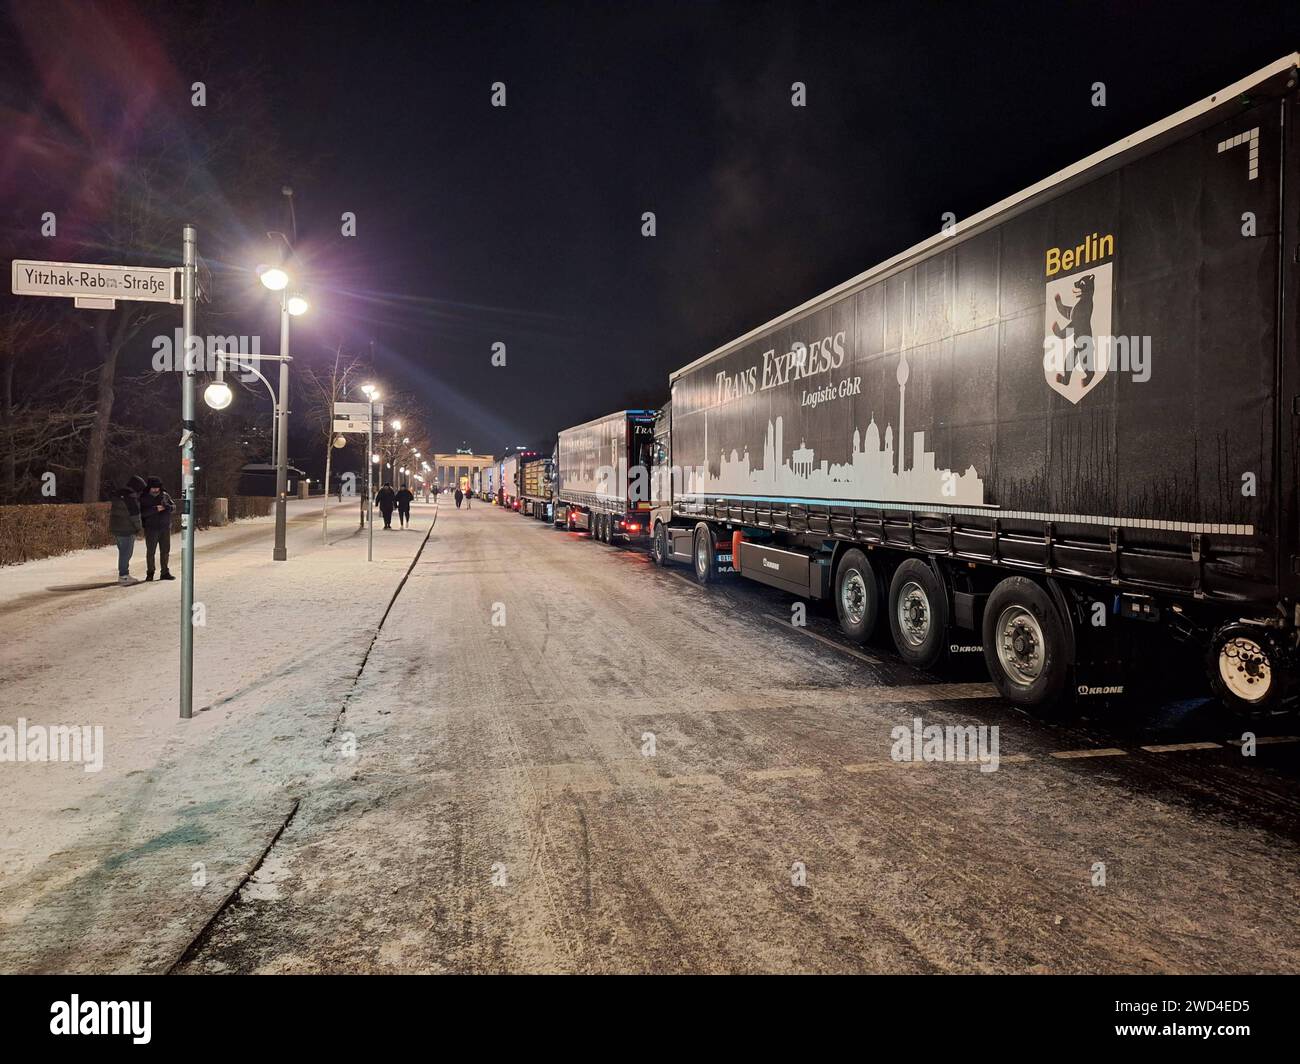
[[385, 498], [124, 525], [156, 508], [403, 498], [459, 497]]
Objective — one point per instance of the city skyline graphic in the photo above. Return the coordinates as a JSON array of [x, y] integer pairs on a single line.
[[874, 471]]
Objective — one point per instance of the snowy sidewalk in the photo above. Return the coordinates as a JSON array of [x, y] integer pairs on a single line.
[[117, 869]]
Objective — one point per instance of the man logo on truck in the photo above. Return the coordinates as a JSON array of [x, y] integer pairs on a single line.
[[1077, 337]]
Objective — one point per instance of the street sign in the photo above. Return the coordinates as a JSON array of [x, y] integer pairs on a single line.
[[357, 411], [357, 425], [95, 286]]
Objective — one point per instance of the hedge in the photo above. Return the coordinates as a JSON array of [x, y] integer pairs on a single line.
[[45, 530]]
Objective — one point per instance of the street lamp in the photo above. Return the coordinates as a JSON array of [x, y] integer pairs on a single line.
[[276, 279], [218, 395], [273, 277]]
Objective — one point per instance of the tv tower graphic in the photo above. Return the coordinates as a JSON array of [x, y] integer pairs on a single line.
[[872, 472], [904, 371]]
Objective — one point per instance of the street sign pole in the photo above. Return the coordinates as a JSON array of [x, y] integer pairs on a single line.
[[97, 286], [370, 489], [189, 258]]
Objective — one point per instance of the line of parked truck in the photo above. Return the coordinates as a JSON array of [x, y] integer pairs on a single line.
[[1051, 433]]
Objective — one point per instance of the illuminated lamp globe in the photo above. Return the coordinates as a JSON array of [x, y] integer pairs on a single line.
[[273, 278], [218, 395]]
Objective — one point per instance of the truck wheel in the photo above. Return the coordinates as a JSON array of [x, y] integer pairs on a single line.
[[1024, 643], [604, 528], [706, 564], [661, 545], [857, 596], [1243, 668], [918, 614]]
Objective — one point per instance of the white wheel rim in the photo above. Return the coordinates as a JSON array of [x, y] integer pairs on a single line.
[[702, 554], [1245, 670], [1020, 645], [853, 597], [913, 613]]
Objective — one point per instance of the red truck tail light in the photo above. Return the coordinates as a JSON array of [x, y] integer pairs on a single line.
[[632, 526]]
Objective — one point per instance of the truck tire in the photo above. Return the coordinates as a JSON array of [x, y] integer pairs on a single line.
[[1025, 645], [604, 528], [660, 546], [857, 596], [705, 555], [1242, 664], [918, 614]]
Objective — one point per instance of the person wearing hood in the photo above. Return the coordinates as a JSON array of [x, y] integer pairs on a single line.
[[156, 509], [403, 499], [124, 525], [385, 498]]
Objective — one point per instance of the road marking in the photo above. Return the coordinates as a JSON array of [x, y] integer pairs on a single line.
[[1265, 740], [763, 774], [878, 766], [1169, 748], [870, 659], [1108, 751]]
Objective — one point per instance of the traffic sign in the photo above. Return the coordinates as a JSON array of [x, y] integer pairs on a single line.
[[96, 286], [357, 425]]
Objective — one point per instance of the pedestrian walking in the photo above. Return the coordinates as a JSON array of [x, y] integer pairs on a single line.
[[156, 508], [385, 499], [403, 499], [468, 495], [124, 525], [460, 495]]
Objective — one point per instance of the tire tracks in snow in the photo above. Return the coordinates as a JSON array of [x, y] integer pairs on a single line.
[[197, 943]]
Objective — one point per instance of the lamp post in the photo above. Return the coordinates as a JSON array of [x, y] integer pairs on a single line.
[[219, 396], [277, 280], [372, 393]]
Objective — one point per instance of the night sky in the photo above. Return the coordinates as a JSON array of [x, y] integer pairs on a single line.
[[523, 225]]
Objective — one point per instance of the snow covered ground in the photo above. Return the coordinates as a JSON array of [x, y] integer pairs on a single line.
[[157, 838]]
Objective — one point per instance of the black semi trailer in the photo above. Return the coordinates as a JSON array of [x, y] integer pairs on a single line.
[[601, 476], [1057, 425]]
